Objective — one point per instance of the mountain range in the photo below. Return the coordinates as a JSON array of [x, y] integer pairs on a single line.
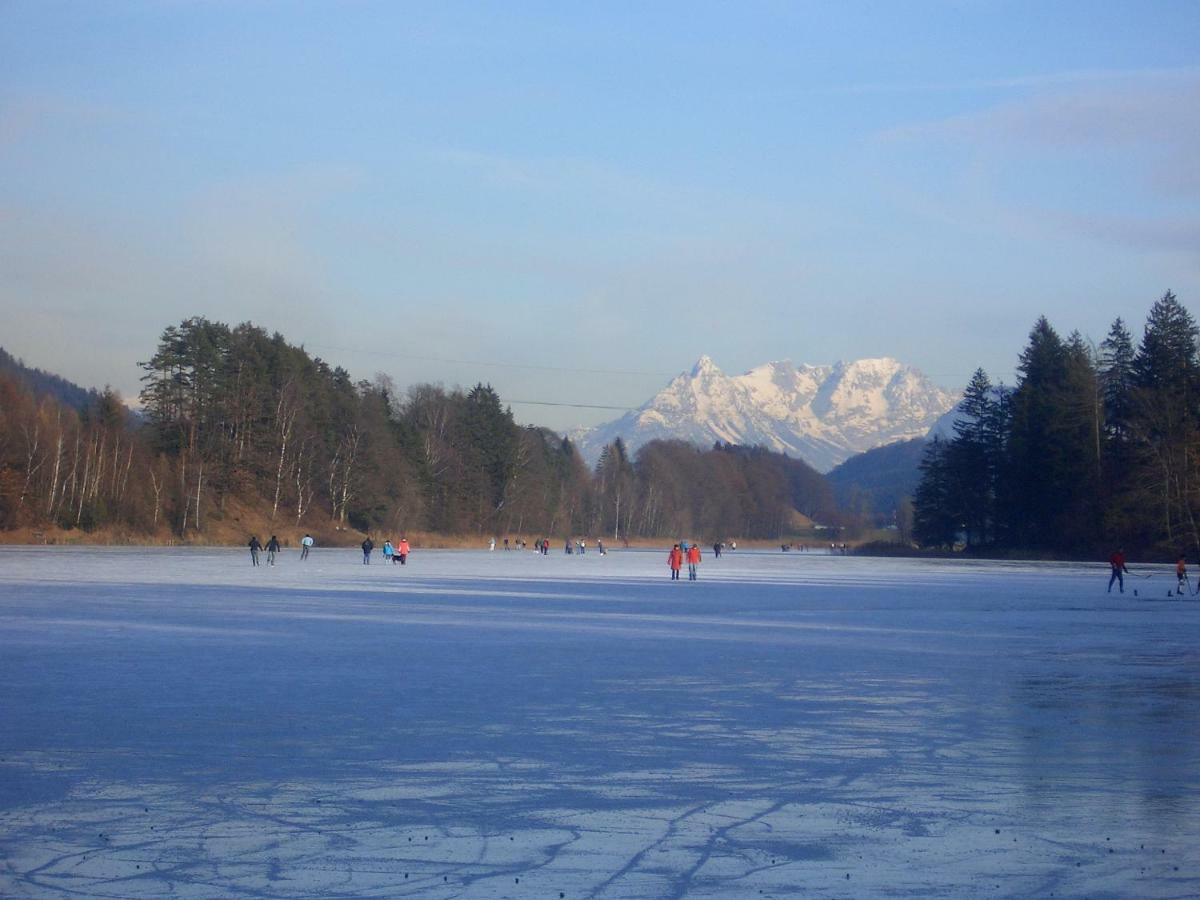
[[821, 414]]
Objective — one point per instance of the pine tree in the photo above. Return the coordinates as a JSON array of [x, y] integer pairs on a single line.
[[1041, 472], [1117, 380], [971, 461], [1164, 424], [934, 522], [1166, 360], [492, 438]]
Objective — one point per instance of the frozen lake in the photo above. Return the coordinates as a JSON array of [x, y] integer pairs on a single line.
[[505, 725]]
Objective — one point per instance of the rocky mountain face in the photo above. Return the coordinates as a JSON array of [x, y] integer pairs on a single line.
[[821, 414]]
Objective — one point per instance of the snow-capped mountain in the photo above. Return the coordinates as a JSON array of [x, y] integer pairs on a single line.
[[821, 414]]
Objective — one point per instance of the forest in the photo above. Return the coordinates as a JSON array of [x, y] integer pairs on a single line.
[[239, 429], [1094, 448]]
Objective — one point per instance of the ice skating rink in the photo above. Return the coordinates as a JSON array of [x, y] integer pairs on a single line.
[[475, 724]]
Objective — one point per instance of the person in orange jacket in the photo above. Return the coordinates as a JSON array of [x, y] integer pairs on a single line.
[[1117, 561], [402, 551], [675, 561], [693, 558]]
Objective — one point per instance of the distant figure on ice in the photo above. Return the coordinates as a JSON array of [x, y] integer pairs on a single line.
[[1182, 581], [491, 545], [717, 550], [388, 551], [600, 546], [401, 551], [272, 549], [367, 546], [305, 545], [567, 547], [1117, 561], [255, 546], [675, 561], [693, 558]]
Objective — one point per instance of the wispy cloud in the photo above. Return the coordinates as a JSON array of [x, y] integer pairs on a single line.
[[1151, 110], [1171, 233], [1134, 136], [1035, 82]]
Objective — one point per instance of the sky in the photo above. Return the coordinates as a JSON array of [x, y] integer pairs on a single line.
[[573, 202]]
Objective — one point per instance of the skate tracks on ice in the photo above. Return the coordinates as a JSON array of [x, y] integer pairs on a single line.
[[501, 724]]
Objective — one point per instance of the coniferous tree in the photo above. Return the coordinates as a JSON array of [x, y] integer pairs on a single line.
[[1117, 380], [934, 520], [1164, 424], [1041, 468], [971, 462]]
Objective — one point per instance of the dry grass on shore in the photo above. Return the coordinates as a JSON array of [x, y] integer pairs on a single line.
[[235, 531]]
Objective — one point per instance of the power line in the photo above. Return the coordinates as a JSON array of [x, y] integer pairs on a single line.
[[570, 405], [497, 365]]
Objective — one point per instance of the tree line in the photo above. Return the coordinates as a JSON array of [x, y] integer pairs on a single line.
[[1092, 448], [235, 419]]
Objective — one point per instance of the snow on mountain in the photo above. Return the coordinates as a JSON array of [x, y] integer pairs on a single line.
[[821, 414]]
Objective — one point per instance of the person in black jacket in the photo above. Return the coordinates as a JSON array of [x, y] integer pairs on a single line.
[[255, 546], [272, 549], [368, 545]]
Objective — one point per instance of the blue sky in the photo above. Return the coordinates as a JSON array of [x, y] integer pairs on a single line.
[[575, 201]]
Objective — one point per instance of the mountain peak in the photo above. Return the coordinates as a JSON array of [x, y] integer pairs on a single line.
[[821, 414], [705, 366]]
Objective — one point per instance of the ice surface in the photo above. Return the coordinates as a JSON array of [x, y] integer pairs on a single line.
[[501, 724]]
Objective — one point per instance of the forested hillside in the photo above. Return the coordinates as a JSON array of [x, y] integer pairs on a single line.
[[876, 486], [1093, 447], [240, 425], [46, 384]]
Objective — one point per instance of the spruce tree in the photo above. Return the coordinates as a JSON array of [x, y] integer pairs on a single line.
[[1164, 423], [971, 459], [934, 522], [1117, 379], [1037, 482]]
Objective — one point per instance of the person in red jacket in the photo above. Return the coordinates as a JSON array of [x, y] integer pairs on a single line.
[[675, 561], [1117, 561], [693, 558]]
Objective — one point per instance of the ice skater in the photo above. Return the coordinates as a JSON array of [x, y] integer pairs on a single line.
[[401, 555], [255, 546], [272, 549], [305, 544], [367, 546], [675, 561], [1183, 584], [693, 558], [1117, 561]]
